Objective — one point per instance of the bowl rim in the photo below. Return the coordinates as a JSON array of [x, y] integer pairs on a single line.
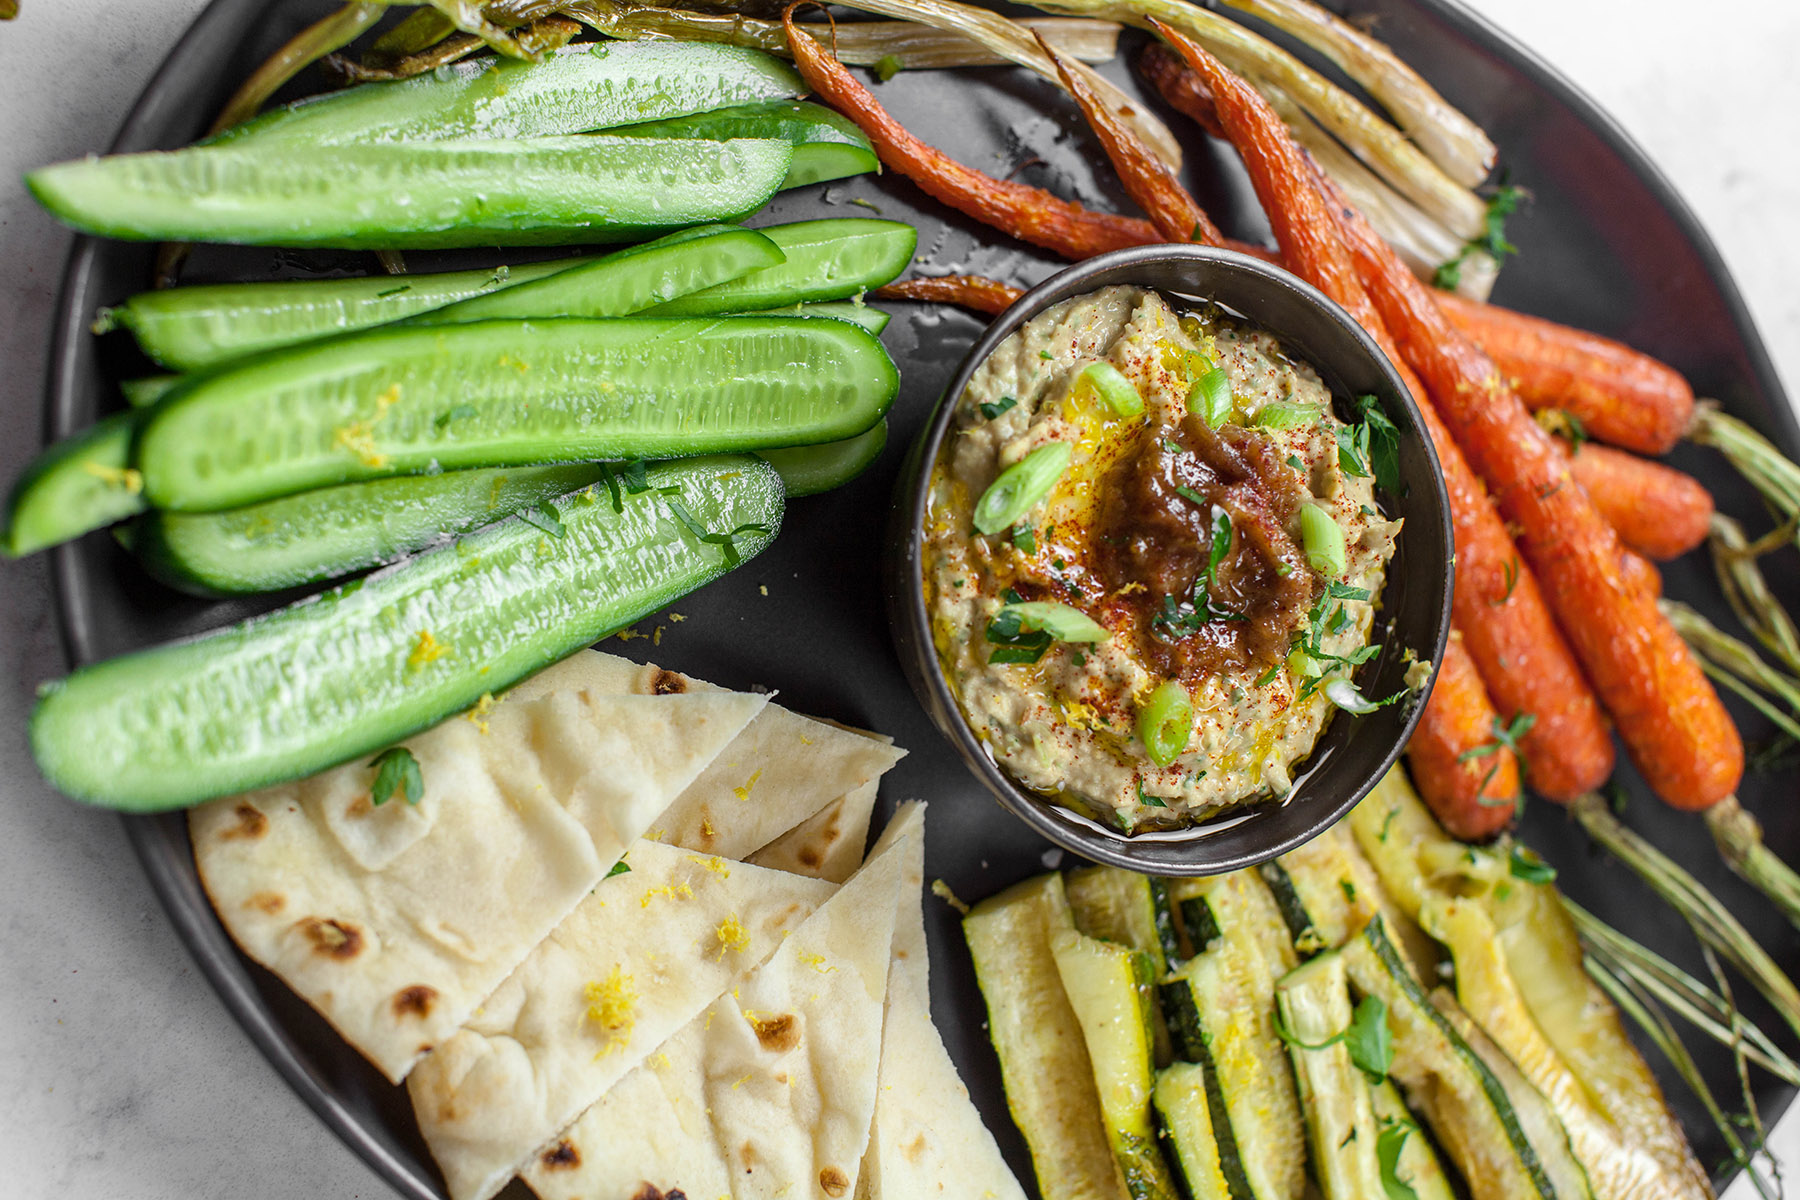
[[1063, 827]]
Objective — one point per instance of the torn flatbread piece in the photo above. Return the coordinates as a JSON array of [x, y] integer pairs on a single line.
[[396, 920], [775, 1081], [635, 961], [827, 845], [782, 770], [908, 823]]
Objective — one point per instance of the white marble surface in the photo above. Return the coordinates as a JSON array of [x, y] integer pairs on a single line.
[[120, 1073]]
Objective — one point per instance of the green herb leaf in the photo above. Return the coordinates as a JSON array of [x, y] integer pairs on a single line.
[[1288, 1036], [1145, 798], [1510, 573], [1024, 539], [1383, 444], [1012, 642], [1388, 1145], [612, 486], [1353, 450], [632, 472], [1343, 591], [619, 868], [543, 517], [396, 772], [993, 408], [1529, 867], [888, 66], [1370, 1042]]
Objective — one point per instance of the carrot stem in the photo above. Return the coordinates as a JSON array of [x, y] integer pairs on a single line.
[[1739, 837], [1712, 922]]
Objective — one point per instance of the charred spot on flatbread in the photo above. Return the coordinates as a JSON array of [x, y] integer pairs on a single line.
[[332, 938], [833, 1181], [915, 1149], [414, 1001], [564, 1157], [667, 683], [252, 823], [362, 806], [777, 1034], [268, 902], [650, 1191]]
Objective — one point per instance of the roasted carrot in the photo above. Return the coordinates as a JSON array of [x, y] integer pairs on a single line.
[[1659, 512], [975, 292], [1180, 87], [1460, 762], [1506, 628], [1025, 212], [1677, 732], [1620, 395], [1641, 574], [1177, 216]]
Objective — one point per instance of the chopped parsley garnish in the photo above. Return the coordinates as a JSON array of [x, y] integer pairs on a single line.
[[1492, 241], [1505, 737], [612, 486], [396, 773], [1045, 355], [1529, 867], [454, 414], [993, 408], [1353, 450], [1388, 1145], [1367, 1037], [1564, 424], [727, 542], [1510, 574], [1268, 676], [632, 472], [1295, 461], [619, 868], [1012, 644], [1024, 539], [1079, 659], [1343, 591], [1323, 620], [1145, 798], [1382, 440], [543, 517], [1179, 618]]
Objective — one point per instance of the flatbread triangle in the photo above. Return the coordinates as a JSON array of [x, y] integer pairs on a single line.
[[646, 952], [770, 1092], [395, 921]]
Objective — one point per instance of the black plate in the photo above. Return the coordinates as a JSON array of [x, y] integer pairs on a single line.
[[1607, 246]]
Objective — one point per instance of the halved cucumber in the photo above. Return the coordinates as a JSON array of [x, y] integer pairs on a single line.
[[147, 390], [827, 145], [204, 325], [507, 393], [541, 192], [587, 87], [81, 483], [826, 260], [1050, 1088], [809, 470], [1109, 987], [197, 328], [332, 532], [345, 673], [1182, 1103], [626, 281], [872, 319]]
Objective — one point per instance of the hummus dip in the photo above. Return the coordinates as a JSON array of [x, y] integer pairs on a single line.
[[1181, 537]]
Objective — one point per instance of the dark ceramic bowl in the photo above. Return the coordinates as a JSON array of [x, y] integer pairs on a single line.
[[1355, 751]]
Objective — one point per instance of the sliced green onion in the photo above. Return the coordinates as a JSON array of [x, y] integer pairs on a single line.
[[1343, 693], [1064, 622], [1287, 414], [1115, 391], [1323, 540], [1166, 722], [1020, 486], [1211, 397]]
